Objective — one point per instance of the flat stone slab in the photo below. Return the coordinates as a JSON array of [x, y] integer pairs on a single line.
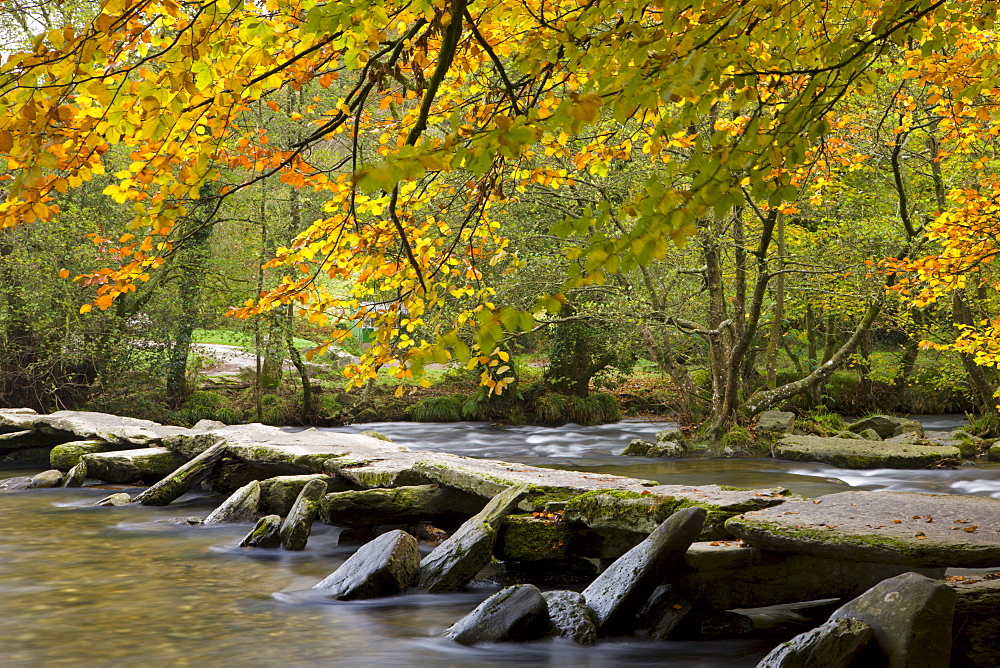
[[147, 464], [888, 527], [89, 425], [862, 454]]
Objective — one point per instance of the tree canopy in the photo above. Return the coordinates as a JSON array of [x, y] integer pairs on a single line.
[[420, 122]]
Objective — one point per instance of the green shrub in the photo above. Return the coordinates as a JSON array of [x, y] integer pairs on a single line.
[[738, 438], [437, 409], [598, 408]]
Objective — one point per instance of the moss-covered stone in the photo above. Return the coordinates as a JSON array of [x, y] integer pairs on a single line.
[[397, 505], [530, 538], [265, 533], [67, 455], [146, 464], [861, 454], [278, 494]]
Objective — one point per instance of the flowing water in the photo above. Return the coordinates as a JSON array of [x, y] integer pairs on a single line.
[[120, 586]]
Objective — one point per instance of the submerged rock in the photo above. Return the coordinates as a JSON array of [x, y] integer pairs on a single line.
[[241, 506], [835, 643], [620, 591], [184, 478], [861, 454], [570, 616], [266, 533], [384, 567], [515, 613], [456, 561], [906, 528], [911, 619], [297, 526]]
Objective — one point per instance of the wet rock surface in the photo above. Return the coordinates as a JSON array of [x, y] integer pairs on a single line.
[[146, 464], [116, 499], [861, 453], [385, 566], [570, 616], [515, 613], [76, 476], [911, 619], [45, 479], [835, 643], [458, 559], [278, 494], [16, 483], [905, 528], [371, 507], [976, 625], [297, 526], [887, 426], [265, 533], [241, 506], [67, 455], [189, 474], [621, 590]]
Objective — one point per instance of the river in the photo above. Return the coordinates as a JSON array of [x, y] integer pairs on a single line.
[[119, 586]]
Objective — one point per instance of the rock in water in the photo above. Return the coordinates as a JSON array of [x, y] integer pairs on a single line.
[[620, 591], [76, 476], [911, 617], [18, 482], [118, 499], [241, 506], [265, 533], [384, 567], [663, 612], [514, 613], [835, 643], [184, 478], [456, 561], [46, 479], [67, 455], [570, 617], [147, 464], [297, 526]]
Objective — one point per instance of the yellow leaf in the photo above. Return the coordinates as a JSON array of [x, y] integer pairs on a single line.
[[85, 308], [64, 273]]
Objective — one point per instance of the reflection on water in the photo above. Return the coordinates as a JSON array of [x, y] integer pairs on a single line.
[[119, 586]]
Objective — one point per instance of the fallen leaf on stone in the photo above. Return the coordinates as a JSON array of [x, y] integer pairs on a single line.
[[897, 521], [972, 529]]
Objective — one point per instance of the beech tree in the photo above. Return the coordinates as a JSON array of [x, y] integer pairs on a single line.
[[431, 114]]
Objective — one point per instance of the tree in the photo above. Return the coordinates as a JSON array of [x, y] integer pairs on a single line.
[[438, 106]]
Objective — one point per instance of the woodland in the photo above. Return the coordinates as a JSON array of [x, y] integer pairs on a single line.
[[528, 211]]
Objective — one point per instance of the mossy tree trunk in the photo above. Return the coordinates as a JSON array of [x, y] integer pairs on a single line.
[[580, 348]]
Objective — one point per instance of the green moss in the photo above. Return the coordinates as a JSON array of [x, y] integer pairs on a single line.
[[818, 535], [529, 538], [620, 509]]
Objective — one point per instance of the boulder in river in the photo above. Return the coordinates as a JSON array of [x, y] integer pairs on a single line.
[[662, 613], [861, 454], [16, 483], [621, 590], [887, 426], [278, 494], [147, 464], [50, 478], [384, 567], [241, 506], [976, 640], [297, 526], [835, 643], [911, 618], [75, 476], [906, 528], [456, 561], [116, 499], [570, 616], [515, 613], [397, 505], [661, 449], [67, 455], [184, 478], [266, 533], [755, 578]]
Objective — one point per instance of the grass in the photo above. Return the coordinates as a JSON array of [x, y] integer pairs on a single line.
[[228, 337]]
